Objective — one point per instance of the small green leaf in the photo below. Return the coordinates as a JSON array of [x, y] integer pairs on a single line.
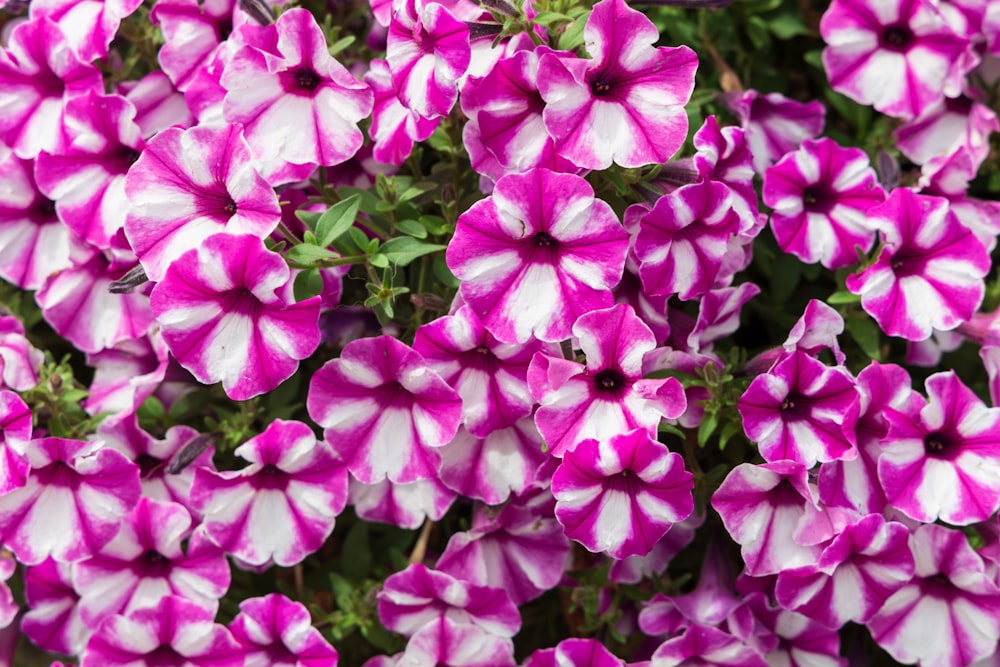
[[444, 274], [548, 18], [866, 334], [338, 219], [356, 557], [359, 238], [404, 249], [572, 36], [787, 24], [416, 190], [785, 277], [435, 224], [379, 261], [308, 254], [728, 431], [308, 218], [707, 427], [413, 228], [756, 28], [843, 296], [308, 284], [340, 45]]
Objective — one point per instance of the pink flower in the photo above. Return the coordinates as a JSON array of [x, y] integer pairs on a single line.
[[710, 647], [39, 73], [622, 495], [282, 506], [943, 462], [428, 51], [385, 410], [227, 315], [776, 125], [176, 632], [277, 631], [537, 254], [930, 273], [394, 128], [625, 104], [609, 396], [802, 411], [450, 644], [821, 194], [89, 25], [190, 184], [299, 106], [72, 504], [406, 505], [898, 55], [19, 360], [52, 621], [682, 241]]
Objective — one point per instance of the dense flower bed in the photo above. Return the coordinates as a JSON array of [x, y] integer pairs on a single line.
[[545, 333]]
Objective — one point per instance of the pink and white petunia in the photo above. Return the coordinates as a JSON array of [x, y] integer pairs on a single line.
[[490, 469], [385, 410], [622, 495], [682, 241], [158, 105], [282, 506], [943, 462], [176, 632], [416, 596], [79, 305], [126, 374], [490, 376], [52, 621], [300, 107], [192, 31], [39, 73], [723, 155], [930, 272], [947, 616], [521, 549], [15, 432], [576, 653], [537, 254], [86, 179], [190, 184], [428, 51], [899, 56], [625, 105], [609, 396], [446, 643], [19, 359], [801, 410], [89, 25], [706, 646], [776, 125], [73, 502], [821, 194], [761, 507], [406, 505], [33, 242], [227, 315], [394, 128], [145, 562], [856, 573], [274, 630]]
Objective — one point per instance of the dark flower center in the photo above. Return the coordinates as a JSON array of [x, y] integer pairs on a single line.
[[601, 83], [897, 37], [609, 380], [147, 465], [230, 207], [306, 79], [544, 240], [936, 444]]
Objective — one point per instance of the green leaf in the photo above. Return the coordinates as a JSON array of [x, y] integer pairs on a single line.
[[444, 274], [404, 249], [152, 409], [416, 190], [787, 24], [308, 218], [308, 283], [413, 228], [340, 45], [866, 334], [756, 28], [785, 277], [368, 198], [379, 261], [728, 431], [707, 427], [338, 219], [359, 238], [548, 18], [572, 36], [356, 557], [435, 224], [308, 254], [842, 297]]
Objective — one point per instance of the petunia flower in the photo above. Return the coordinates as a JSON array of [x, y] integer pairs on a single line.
[[801, 410], [299, 106], [52, 620], [930, 272], [821, 194], [39, 73], [19, 359], [406, 505], [274, 630], [947, 616], [227, 315], [899, 56], [190, 184], [775, 125], [73, 503], [622, 495], [428, 51], [89, 25], [176, 632], [537, 254], [625, 104], [703, 645], [145, 562], [446, 643], [609, 396], [384, 410], [394, 127], [282, 506], [943, 462], [192, 32]]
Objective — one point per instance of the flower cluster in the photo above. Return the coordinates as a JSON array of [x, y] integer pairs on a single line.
[[320, 351]]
